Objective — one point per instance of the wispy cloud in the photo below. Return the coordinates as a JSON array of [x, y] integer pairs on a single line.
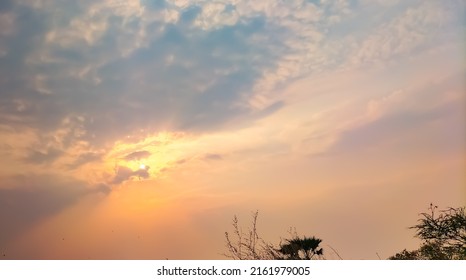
[[213, 157], [137, 155], [40, 157], [85, 158]]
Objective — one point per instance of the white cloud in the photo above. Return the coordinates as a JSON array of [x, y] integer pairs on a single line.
[[215, 15], [414, 28]]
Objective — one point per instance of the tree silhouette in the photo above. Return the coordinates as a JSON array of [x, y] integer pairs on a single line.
[[301, 248], [443, 236]]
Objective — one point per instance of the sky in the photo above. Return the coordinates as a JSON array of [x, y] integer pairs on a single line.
[[139, 129]]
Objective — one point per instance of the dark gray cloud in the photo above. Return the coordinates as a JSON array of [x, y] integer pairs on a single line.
[[43, 157], [137, 155], [123, 173], [27, 199]]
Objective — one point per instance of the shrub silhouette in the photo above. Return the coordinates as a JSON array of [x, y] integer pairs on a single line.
[[443, 236], [301, 248], [249, 246]]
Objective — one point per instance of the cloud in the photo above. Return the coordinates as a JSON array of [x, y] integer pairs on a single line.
[[123, 173], [397, 127], [28, 199], [213, 157], [84, 159], [43, 157], [412, 29], [120, 68], [201, 85], [104, 71], [137, 155]]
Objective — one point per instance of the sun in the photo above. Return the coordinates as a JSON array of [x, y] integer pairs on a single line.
[[142, 166]]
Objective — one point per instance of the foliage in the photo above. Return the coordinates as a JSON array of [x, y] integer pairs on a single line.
[[443, 236], [301, 249], [249, 246]]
